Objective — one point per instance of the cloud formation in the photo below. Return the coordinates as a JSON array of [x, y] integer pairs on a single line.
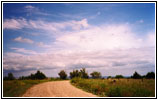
[[106, 47], [128, 59], [44, 25], [23, 40], [29, 7], [14, 23], [30, 10], [29, 41], [105, 37], [22, 50]]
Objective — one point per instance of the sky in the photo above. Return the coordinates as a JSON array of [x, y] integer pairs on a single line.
[[112, 38]]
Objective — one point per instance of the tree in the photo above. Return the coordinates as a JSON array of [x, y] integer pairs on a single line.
[[83, 73], [119, 76], [150, 75], [136, 75], [62, 74], [75, 73], [9, 77], [39, 75], [95, 74]]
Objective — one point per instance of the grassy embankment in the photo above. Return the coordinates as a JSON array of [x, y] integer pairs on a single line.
[[119, 88], [16, 88]]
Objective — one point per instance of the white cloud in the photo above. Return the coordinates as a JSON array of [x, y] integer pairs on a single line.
[[22, 50], [14, 23], [29, 7], [30, 10], [101, 38], [23, 40], [151, 39], [106, 60], [41, 44], [29, 41], [110, 48], [43, 25]]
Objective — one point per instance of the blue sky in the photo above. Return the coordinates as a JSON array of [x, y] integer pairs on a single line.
[[116, 38]]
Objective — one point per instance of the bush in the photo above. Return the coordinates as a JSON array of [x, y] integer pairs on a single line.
[[136, 76], [62, 74], [95, 75]]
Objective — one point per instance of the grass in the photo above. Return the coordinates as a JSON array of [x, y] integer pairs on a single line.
[[120, 88], [16, 88]]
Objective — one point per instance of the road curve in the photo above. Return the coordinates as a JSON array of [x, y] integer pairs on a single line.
[[56, 89]]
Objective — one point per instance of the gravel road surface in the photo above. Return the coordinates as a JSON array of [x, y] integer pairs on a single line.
[[56, 89]]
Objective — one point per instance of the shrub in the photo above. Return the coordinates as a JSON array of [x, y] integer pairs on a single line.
[[95, 75], [62, 74]]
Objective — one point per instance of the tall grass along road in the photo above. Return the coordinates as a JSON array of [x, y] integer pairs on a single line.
[[56, 89], [117, 87], [16, 88]]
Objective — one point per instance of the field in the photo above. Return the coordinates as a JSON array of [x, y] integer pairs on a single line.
[[117, 87], [16, 88]]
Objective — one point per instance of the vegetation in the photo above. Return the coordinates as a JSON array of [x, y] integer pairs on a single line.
[[117, 87], [16, 88], [136, 76], [37, 75], [109, 77], [95, 74], [9, 77], [62, 74], [136, 86], [119, 76], [75, 73], [150, 75], [82, 73]]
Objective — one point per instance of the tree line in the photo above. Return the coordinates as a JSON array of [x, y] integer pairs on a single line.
[[82, 73], [95, 75]]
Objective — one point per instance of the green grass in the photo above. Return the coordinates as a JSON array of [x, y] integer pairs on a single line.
[[120, 88], [16, 88]]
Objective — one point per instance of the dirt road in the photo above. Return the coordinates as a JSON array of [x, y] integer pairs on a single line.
[[56, 89]]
